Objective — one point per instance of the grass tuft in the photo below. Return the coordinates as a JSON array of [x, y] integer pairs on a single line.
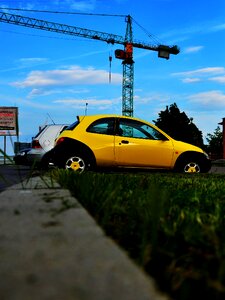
[[170, 224]]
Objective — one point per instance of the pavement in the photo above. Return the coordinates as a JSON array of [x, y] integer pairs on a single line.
[[218, 167], [51, 248]]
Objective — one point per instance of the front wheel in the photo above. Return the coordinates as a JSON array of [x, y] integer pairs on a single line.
[[190, 165]]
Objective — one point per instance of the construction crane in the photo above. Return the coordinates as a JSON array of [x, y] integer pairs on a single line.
[[126, 55]]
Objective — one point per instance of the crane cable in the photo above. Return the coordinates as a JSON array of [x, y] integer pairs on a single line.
[[61, 12], [153, 37]]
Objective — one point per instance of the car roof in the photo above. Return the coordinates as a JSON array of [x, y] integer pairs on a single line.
[[55, 125], [98, 116], [92, 118]]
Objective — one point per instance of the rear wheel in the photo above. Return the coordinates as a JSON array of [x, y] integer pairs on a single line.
[[76, 163]]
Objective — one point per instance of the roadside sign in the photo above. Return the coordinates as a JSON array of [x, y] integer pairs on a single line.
[[8, 121]]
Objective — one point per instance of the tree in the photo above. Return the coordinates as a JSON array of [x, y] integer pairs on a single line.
[[179, 126], [215, 143]]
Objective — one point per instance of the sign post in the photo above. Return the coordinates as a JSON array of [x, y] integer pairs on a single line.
[[8, 124]]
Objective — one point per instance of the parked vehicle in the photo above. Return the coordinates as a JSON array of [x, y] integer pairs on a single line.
[[123, 142], [20, 158], [43, 142]]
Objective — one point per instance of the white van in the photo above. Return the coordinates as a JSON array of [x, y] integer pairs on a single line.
[[44, 141]]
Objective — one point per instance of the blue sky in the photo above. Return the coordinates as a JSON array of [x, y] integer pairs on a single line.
[[48, 74]]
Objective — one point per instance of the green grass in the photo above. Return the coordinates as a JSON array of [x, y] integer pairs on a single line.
[[172, 225]]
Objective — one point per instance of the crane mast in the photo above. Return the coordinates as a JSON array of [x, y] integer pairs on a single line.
[[128, 72], [126, 55]]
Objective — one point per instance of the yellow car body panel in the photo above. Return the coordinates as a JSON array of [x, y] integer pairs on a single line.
[[130, 152], [122, 151], [102, 146]]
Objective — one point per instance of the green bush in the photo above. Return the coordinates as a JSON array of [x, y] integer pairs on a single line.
[[170, 224]]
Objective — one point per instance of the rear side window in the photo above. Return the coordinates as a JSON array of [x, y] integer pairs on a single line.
[[102, 126]]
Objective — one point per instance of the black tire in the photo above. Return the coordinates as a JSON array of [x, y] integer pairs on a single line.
[[46, 161]]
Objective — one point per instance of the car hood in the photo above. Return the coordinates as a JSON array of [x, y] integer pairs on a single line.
[[182, 146]]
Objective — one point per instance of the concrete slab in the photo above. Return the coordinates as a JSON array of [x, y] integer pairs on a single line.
[[51, 248]]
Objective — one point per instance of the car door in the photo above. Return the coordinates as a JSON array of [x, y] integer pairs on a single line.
[[140, 145], [100, 137]]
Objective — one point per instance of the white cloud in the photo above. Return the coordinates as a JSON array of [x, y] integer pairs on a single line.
[[19, 4], [190, 80], [81, 5], [99, 104], [36, 105], [211, 100], [40, 92], [202, 71], [151, 98], [83, 101], [74, 75], [220, 79], [185, 33], [87, 5], [200, 74], [33, 59], [218, 27], [193, 49]]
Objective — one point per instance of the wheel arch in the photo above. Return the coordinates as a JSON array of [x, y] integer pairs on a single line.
[[70, 146], [188, 155]]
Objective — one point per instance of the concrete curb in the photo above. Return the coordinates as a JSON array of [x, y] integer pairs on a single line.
[[51, 248]]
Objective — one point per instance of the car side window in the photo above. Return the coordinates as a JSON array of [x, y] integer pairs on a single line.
[[136, 129], [102, 126]]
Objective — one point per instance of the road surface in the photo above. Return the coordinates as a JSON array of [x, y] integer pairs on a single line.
[[11, 174]]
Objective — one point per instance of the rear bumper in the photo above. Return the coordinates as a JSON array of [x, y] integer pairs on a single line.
[[35, 155]]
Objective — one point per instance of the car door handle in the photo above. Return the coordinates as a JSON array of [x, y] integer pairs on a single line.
[[125, 142]]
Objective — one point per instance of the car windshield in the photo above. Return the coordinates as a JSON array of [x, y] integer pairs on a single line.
[[72, 126], [64, 128], [39, 132]]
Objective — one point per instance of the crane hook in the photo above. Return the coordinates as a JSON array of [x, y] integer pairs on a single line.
[[110, 67]]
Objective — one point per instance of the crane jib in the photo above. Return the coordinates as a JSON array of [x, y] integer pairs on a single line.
[[61, 28], [126, 54], [77, 31]]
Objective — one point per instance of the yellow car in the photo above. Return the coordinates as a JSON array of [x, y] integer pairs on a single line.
[[112, 141]]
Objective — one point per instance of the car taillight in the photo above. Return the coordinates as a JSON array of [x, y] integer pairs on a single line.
[[35, 144], [62, 139]]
